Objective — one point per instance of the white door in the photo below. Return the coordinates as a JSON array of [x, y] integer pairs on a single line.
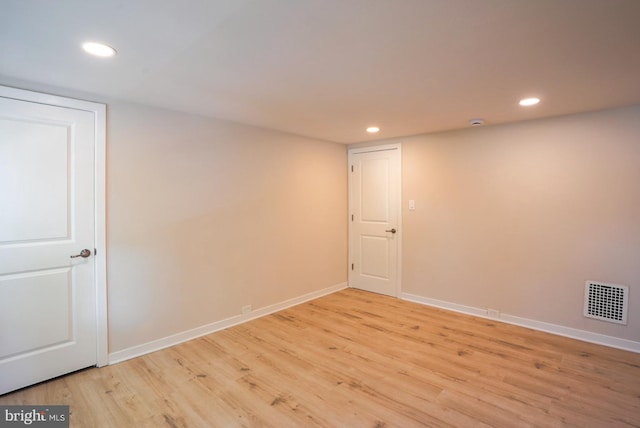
[[47, 297], [374, 222]]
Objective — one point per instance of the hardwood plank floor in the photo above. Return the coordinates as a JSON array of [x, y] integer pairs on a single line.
[[356, 359]]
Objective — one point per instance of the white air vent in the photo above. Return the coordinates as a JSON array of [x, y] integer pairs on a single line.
[[606, 302]]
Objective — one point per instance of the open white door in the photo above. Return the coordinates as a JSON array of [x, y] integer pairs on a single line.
[[374, 219], [48, 296]]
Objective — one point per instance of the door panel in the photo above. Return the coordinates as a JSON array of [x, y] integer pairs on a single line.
[[374, 203], [47, 298], [40, 301], [374, 256], [35, 171], [374, 189]]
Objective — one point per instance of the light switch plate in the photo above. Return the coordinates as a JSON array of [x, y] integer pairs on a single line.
[[412, 204]]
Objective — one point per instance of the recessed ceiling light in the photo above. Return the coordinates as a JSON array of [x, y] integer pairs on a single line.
[[373, 129], [529, 101], [98, 49]]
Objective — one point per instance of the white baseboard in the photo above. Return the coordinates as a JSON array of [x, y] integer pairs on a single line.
[[175, 339], [574, 333]]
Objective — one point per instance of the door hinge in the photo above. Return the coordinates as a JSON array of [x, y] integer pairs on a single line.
[[351, 217], [351, 168], [351, 266]]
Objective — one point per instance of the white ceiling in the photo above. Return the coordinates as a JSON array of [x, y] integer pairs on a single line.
[[330, 68]]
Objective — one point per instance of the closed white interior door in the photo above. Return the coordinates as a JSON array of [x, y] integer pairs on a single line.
[[47, 298], [374, 232]]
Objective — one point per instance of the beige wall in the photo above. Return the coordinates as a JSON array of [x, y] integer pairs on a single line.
[[205, 216], [517, 217]]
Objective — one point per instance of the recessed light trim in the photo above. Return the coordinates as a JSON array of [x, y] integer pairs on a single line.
[[98, 49], [526, 102], [373, 129]]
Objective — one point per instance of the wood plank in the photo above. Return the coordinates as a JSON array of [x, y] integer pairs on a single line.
[[358, 359]]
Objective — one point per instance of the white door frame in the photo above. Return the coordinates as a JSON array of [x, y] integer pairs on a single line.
[[398, 237], [100, 274]]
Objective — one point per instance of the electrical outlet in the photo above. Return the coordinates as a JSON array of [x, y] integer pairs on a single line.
[[493, 313], [246, 309]]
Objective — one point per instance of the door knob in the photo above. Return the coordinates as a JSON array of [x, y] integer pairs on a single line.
[[391, 230], [84, 254]]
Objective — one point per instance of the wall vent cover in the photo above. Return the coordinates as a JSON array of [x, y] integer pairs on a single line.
[[606, 302]]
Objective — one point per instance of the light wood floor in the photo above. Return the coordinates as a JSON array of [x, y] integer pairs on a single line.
[[355, 359]]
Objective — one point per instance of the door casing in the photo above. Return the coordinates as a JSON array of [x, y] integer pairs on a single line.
[[398, 235], [100, 274]]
